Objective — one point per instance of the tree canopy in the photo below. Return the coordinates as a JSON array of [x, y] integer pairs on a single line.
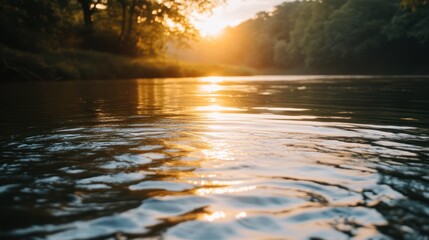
[[120, 26], [330, 36], [311, 36]]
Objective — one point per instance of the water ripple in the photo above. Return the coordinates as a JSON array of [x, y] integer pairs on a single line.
[[218, 158]]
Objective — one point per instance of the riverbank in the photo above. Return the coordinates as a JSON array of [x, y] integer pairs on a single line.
[[19, 65]]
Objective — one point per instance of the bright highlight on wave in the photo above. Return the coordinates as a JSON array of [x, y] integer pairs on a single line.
[[211, 88], [226, 190], [214, 216], [221, 215], [212, 79], [217, 108]]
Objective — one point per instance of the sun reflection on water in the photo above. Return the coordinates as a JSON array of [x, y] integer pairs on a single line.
[[216, 182], [218, 152], [217, 108], [214, 216], [226, 190], [218, 215], [211, 88], [212, 79], [212, 85]]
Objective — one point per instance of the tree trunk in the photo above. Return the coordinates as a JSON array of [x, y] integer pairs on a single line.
[[123, 20], [87, 13], [130, 21]]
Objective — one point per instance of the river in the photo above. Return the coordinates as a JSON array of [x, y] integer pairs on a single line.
[[262, 157]]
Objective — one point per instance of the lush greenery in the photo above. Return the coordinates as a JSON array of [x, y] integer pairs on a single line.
[[83, 64], [130, 27], [331, 36], [84, 39], [89, 39]]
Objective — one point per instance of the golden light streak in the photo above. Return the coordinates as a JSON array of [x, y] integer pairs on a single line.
[[217, 108], [209, 191], [212, 79], [218, 215], [211, 88], [218, 154], [216, 182]]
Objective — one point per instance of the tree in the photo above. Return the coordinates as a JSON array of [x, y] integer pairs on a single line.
[[32, 24], [145, 25], [331, 36], [88, 9]]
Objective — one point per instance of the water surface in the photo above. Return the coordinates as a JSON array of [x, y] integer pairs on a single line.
[[216, 158]]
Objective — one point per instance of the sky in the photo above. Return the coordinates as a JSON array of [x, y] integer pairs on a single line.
[[232, 13]]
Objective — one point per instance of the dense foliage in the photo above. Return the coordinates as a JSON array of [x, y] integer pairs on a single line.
[[98, 39], [131, 27], [331, 36], [319, 36]]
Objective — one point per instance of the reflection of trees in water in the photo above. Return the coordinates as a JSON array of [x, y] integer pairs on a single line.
[[89, 125], [193, 160]]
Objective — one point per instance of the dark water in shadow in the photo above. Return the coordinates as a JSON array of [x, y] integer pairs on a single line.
[[216, 158]]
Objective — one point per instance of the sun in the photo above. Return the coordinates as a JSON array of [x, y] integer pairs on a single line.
[[210, 28], [211, 25], [230, 13]]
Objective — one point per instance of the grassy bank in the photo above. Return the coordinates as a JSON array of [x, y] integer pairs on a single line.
[[82, 65]]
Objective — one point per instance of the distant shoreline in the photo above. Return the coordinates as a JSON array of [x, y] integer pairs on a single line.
[[17, 65]]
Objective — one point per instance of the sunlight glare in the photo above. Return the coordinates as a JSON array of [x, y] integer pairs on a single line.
[[214, 216], [217, 108], [210, 25], [211, 88], [216, 182], [218, 215], [213, 85], [230, 190], [212, 79], [218, 154]]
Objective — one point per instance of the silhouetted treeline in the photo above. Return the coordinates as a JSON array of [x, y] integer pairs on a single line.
[[97, 39], [330, 36], [63, 39], [129, 27]]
